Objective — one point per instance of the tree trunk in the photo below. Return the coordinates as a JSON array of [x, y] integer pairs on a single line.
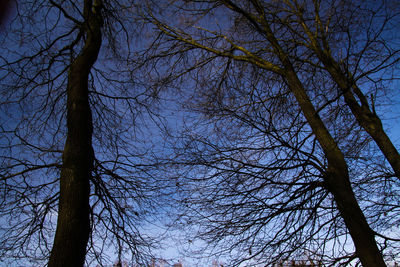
[[337, 182], [366, 118], [336, 179], [73, 226]]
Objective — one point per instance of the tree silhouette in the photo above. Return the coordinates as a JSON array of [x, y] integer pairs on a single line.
[[75, 178], [280, 160], [281, 151]]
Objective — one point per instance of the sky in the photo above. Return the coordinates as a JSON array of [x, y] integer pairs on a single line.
[[391, 123]]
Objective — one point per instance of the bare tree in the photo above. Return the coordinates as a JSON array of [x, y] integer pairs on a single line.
[[73, 160], [73, 227], [354, 54], [273, 161]]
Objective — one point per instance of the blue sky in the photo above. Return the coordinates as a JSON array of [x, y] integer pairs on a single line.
[[135, 125]]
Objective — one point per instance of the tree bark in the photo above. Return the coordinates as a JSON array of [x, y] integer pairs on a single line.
[[73, 226], [336, 179]]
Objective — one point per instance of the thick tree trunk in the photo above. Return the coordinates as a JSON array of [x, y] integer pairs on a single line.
[[73, 226], [336, 179], [338, 183]]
